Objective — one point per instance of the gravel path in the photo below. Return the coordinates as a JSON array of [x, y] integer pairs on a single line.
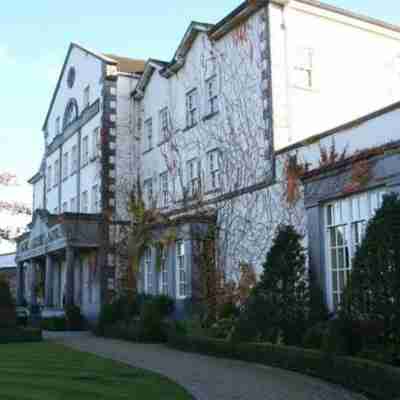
[[209, 378]]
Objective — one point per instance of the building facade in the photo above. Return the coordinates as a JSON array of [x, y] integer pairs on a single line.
[[8, 271], [87, 149], [218, 137]]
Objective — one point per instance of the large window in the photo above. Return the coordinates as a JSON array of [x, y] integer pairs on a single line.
[[346, 221], [74, 161], [95, 142], [212, 95], [191, 108], [84, 202], [65, 166], [164, 125], [148, 271], [213, 169], [149, 134], [163, 275], [148, 190], [181, 269], [49, 177], [85, 150], [164, 189], [56, 172], [193, 176]]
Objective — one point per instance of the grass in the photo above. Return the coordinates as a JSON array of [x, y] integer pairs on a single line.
[[43, 371]]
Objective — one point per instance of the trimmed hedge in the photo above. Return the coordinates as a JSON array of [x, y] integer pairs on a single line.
[[378, 381], [56, 324], [20, 335]]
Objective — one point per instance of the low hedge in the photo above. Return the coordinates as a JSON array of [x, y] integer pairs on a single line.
[[55, 324], [20, 335], [378, 381]]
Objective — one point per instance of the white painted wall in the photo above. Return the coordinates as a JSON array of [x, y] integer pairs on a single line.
[[356, 70]]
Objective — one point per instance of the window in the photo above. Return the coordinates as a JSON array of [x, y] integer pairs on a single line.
[[181, 269], [72, 204], [84, 202], [164, 125], [65, 207], [193, 171], [191, 108], [346, 222], [163, 275], [71, 113], [213, 169], [148, 271], [212, 95], [86, 96], [95, 199], [95, 142], [56, 172], [74, 166], [85, 150], [164, 189], [149, 134], [65, 165], [148, 187], [58, 126], [49, 178], [303, 70]]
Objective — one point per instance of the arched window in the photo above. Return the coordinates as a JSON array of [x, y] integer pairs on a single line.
[[71, 112]]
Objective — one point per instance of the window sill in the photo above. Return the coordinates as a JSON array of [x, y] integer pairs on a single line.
[[147, 151], [84, 164], [210, 115], [64, 179], [94, 158], [212, 191], [188, 128], [73, 173], [305, 88], [162, 142]]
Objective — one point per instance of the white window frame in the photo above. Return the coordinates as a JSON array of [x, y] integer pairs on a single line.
[[49, 178], [192, 108], [304, 66], [149, 192], [148, 271], [95, 142], [65, 165], [85, 150], [345, 222], [163, 274], [74, 157], [181, 270], [95, 199], [85, 202], [193, 170], [164, 124], [148, 129], [213, 161], [212, 95], [86, 96], [164, 189], [56, 172]]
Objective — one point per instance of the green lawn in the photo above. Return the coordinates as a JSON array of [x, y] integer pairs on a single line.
[[42, 371]]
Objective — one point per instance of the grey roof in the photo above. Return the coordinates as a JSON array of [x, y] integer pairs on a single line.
[[7, 261]]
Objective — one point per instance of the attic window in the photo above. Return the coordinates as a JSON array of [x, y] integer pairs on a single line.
[[71, 113]]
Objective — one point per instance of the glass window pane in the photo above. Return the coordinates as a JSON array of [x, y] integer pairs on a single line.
[[334, 259], [334, 281]]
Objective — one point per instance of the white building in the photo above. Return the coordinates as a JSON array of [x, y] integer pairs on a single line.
[[213, 137], [88, 152]]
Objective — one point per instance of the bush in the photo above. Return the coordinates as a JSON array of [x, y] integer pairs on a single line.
[[74, 318], [376, 380], [54, 324], [314, 336], [222, 329], [20, 335], [152, 327], [163, 303]]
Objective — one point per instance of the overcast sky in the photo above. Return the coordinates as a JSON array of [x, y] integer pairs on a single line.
[[34, 37]]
